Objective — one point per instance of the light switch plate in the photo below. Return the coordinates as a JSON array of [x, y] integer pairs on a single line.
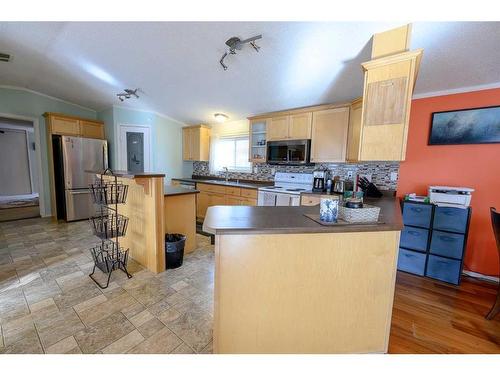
[[394, 176]]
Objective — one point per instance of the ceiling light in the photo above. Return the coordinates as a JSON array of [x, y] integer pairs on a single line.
[[220, 117]]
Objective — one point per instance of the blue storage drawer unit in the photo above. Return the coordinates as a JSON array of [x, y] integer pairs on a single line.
[[451, 219], [447, 244], [411, 261], [414, 238], [417, 214], [444, 269]]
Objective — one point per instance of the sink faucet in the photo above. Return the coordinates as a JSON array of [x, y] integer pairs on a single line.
[[226, 172]]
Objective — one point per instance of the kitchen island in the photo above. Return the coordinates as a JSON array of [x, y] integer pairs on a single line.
[[286, 284]]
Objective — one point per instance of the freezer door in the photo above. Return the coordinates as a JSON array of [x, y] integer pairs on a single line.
[[79, 155], [79, 205]]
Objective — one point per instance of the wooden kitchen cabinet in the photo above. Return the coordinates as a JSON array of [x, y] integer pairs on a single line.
[[63, 125], [77, 127], [91, 129], [329, 135], [290, 127], [354, 132], [220, 195], [278, 128], [381, 132], [196, 143], [257, 152], [300, 126], [202, 202]]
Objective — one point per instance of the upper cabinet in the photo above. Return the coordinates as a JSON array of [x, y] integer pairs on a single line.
[[258, 136], [329, 135], [299, 126], [196, 143], [381, 131], [74, 126], [290, 126]]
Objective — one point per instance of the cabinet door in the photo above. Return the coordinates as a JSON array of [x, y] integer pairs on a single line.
[[202, 201], [90, 129], [203, 145], [186, 144], [300, 126], [233, 201], [248, 202], [217, 199], [386, 105], [354, 134], [65, 126], [329, 135], [278, 128], [194, 143]]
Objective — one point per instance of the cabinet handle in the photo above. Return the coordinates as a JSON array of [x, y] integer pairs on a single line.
[[447, 238], [414, 233], [409, 255], [416, 209], [442, 262]]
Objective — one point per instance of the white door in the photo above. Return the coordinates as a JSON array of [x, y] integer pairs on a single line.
[[14, 163], [135, 148]]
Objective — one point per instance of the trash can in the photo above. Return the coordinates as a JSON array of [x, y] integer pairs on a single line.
[[174, 249]]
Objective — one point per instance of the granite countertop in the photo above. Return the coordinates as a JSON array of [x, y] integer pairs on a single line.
[[170, 190], [214, 181], [291, 219], [129, 174]]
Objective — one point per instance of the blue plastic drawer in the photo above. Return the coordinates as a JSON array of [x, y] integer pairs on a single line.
[[450, 218], [411, 261], [417, 214], [444, 269], [414, 238], [447, 244]]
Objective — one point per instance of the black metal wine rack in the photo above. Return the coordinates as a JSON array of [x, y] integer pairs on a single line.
[[109, 225]]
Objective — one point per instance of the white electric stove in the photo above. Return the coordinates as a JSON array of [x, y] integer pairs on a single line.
[[286, 190]]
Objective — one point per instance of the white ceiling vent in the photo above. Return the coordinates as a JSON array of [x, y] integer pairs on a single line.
[[4, 57]]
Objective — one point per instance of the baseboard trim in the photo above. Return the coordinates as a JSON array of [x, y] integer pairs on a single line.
[[480, 276]]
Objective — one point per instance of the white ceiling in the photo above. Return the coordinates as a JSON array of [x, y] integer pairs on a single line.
[[176, 65]]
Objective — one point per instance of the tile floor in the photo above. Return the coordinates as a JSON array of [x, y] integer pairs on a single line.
[[48, 304]]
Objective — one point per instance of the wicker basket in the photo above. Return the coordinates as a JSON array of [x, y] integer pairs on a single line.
[[367, 214]]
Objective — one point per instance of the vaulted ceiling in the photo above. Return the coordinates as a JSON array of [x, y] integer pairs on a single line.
[[176, 64]]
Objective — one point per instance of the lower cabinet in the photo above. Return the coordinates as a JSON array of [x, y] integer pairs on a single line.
[[219, 195]]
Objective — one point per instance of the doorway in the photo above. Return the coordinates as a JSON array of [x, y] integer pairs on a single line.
[[135, 148], [19, 168]]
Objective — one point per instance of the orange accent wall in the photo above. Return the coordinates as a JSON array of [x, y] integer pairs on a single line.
[[475, 166]]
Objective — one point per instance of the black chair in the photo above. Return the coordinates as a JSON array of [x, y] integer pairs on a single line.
[[495, 221]]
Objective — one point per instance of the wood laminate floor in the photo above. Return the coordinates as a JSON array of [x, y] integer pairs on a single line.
[[48, 304]]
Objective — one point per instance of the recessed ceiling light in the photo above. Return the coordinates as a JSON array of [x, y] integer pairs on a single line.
[[220, 117]]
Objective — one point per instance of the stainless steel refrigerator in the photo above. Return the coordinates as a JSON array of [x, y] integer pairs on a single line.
[[72, 157]]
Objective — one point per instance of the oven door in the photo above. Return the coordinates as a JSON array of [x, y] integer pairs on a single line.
[[289, 152]]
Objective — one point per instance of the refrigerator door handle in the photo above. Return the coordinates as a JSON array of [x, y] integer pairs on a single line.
[[78, 192]]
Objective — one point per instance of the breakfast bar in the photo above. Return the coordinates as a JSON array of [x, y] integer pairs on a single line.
[[286, 284]]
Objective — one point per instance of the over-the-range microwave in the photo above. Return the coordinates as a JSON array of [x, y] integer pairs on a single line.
[[296, 152]]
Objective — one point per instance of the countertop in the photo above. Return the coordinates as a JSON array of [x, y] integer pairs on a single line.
[[170, 190], [213, 181], [291, 219], [129, 174]]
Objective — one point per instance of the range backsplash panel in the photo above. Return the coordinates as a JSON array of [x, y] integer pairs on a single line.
[[379, 171]]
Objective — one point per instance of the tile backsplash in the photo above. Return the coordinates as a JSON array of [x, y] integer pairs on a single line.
[[380, 171]]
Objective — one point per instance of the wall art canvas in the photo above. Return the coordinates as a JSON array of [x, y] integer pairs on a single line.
[[468, 126]]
